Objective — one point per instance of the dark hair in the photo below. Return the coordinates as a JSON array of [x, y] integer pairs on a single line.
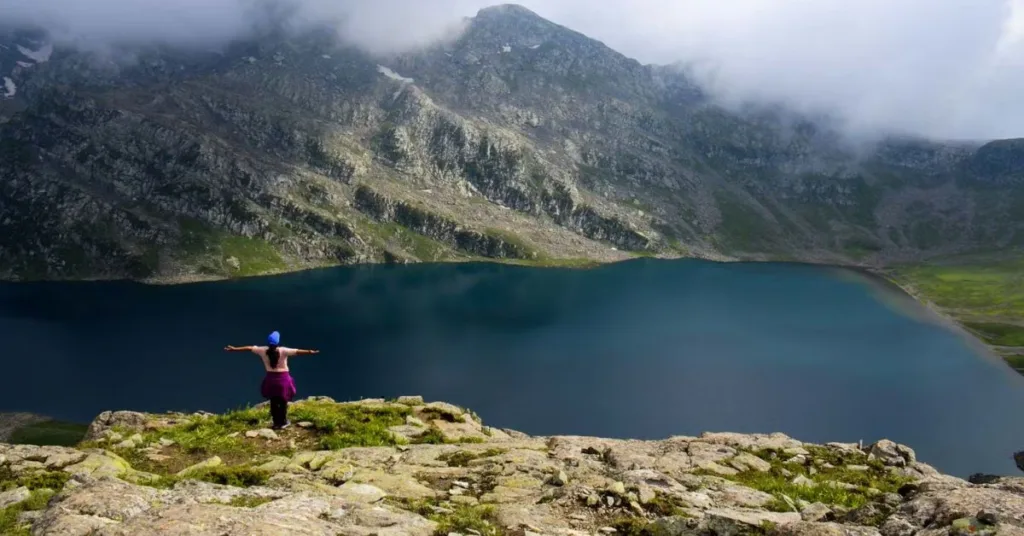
[[273, 355]]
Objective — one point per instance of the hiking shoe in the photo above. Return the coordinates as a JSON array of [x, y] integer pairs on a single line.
[[286, 425]]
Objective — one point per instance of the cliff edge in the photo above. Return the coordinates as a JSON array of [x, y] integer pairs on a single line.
[[407, 467]]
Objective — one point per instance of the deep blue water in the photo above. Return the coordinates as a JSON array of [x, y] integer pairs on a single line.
[[643, 349]]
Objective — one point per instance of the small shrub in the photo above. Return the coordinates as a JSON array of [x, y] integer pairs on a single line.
[[238, 476], [433, 436], [34, 480], [464, 519], [248, 501]]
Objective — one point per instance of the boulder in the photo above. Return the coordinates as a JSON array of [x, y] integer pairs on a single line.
[[892, 454], [14, 496], [410, 400], [131, 420]]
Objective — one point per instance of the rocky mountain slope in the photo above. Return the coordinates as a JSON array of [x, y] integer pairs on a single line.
[[521, 140], [411, 468]]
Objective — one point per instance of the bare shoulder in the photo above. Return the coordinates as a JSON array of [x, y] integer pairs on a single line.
[[287, 351], [259, 350]]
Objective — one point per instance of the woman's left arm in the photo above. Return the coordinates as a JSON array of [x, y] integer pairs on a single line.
[[230, 348]]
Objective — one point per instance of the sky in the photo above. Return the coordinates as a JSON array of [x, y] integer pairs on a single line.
[[947, 69]]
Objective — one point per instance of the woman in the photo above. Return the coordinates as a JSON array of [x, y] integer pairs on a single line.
[[278, 385]]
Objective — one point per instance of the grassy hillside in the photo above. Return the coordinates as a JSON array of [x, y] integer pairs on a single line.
[[984, 293]]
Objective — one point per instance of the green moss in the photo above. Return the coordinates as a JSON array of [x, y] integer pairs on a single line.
[[51, 432]]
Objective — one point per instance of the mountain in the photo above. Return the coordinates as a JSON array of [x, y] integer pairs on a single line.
[[423, 469], [520, 140]]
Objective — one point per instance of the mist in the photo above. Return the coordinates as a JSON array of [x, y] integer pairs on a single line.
[[946, 70]]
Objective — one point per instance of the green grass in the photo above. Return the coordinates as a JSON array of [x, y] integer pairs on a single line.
[[742, 226], [545, 261], [994, 290], [998, 334], [245, 501], [986, 295], [9, 525], [1015, 361], [51, 432], [778, 485], [334, 426], [255, 255], [209, 249], [419, 246], [33, 480], [523, 248], [464, 519]]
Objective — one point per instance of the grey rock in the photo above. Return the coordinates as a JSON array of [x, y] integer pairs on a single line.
[[801, 480], [213, 461], [14, 496], [892, 454], [815, 512], [411, 400]]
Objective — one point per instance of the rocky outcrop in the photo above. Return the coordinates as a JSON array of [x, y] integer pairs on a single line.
[[439, 228], [417, 468]]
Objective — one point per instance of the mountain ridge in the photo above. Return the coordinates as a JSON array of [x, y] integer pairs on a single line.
[[520, 140]]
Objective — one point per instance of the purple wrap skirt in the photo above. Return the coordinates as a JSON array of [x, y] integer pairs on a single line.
[[278, 385]]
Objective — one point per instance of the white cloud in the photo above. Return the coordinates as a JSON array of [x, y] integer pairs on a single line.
[[950, 68]]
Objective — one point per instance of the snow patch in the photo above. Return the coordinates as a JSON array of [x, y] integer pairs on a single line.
[[506, 48], [24, 64], [40, 56], [535, 47], [325, 56], [9, 88], [393, 75]]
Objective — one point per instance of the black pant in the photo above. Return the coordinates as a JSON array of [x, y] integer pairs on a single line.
[[279, 411]]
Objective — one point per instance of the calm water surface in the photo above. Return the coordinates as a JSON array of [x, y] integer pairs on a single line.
[[641, 349]]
